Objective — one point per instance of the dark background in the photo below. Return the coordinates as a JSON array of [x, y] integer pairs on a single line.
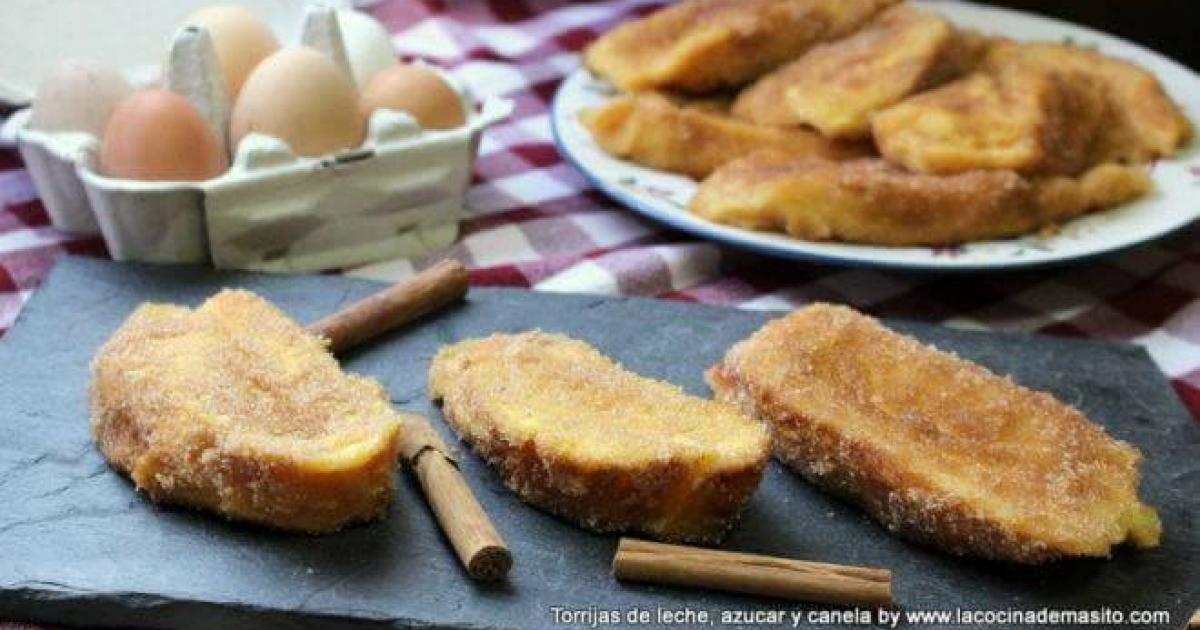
[[1171, 27]]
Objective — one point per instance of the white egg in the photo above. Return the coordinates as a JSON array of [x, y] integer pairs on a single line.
[[78, 95], [368, 45]]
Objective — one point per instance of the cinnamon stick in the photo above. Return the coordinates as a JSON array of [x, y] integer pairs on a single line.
[[399, 304], [644, 561], [479, 546]]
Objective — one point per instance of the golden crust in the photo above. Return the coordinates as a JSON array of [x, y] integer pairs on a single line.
[[835, 87], [574, 434], [234, 408], [703, 45], [1058, 199], [1140, 121], [1014, 117], [654, 131], [934, 447], [1037, 108], [872, 201]]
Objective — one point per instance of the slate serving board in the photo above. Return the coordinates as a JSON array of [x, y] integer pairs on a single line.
[[78, 545]]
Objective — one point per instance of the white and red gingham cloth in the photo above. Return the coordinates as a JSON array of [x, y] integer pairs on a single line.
[[535, 222]]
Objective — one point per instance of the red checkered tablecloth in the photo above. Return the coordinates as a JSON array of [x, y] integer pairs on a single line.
[[535, 222]]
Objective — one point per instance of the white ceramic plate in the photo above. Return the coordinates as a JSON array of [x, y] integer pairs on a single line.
[[1174, 202]]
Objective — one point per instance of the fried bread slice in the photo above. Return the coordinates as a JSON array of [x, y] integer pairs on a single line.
[[1015, 117], [1140, 122], [836, 86], [575, 434], [234, 408], [936, 448], [699, 46], [655, 131], [873, 201], [1058, 199]]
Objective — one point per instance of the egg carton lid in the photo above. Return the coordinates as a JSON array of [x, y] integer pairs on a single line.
[[37, 35]]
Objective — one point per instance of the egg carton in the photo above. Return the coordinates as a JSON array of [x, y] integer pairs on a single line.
[[398, 195]]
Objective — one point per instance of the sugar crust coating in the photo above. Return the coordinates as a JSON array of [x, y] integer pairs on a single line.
[[1037, 108], [575, 434], [836, 86], [936, 448], [1014, 117], [873, 201], [653, 130], [703, 45], [1139, 121], [234, 408]]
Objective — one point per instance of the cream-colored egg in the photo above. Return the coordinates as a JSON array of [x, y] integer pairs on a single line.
[[157, 134], [303, 98], [78, 95], [416, 90], [241, 39], [368, 45]]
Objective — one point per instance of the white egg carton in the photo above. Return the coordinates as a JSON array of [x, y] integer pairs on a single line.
[[399, 195]]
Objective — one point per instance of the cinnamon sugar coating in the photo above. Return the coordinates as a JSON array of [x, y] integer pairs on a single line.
[[698, 46], [835, 87], [1138, 120], [234, 408], [575, 434], [936, 448], [696, 138], [873, 201]]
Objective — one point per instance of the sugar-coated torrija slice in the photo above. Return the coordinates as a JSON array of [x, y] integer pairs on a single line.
[[699, 46], [575, 434], [234, 408], [835, 87], [651, 130], [936, 448]]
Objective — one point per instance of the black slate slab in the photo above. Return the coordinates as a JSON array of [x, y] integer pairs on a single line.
[[78, 545]]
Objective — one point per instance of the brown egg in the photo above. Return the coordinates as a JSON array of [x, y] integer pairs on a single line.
[[416, 90], [158, 135], [241, 40], [303, 98]]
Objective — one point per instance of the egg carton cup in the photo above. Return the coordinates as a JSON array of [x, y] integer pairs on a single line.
[[398, 195], [51, 159]]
